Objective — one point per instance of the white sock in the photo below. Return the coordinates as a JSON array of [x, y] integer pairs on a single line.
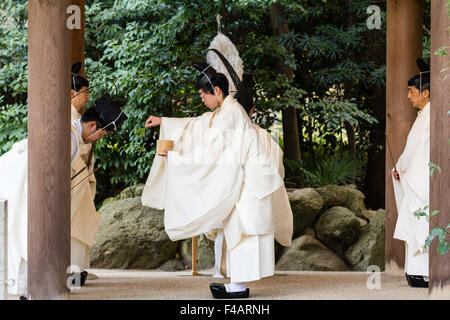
[[425, 278], [235, 286]]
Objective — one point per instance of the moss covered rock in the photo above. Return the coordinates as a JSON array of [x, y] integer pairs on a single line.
[[338, 228], [306, 205], [308, 254], [130, 235]]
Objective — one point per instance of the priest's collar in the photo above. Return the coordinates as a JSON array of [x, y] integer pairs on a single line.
[[425, 109], [229, 98]]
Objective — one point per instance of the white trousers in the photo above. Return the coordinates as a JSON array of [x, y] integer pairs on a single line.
[[416, 264], [251, 259], [79, 255]]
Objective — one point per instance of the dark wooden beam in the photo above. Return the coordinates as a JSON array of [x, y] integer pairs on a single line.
[[404, 46], [439, 147], [48, 149]]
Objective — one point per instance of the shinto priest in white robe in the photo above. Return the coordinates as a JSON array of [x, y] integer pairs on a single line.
[[84, 218], [218, 159], [275, 209], [13, 188], [412, 193]]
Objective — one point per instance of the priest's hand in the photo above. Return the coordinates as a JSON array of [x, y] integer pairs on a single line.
[[166, 153], [153, 121], [396, 175]]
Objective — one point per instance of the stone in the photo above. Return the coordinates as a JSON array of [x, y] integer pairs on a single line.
[[333, 196], [369, 214], [362, 222], [310, 232], [172, 265], [308, 254], [131, 236], [338, 228], [369, 249], [355, 202], [205, 252], [306, 205]]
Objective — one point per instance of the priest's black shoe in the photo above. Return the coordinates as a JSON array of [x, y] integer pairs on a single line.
[[219, 291], [416, 281]]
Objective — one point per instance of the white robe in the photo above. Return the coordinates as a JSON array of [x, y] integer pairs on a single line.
[[412, 193], [256, 248], [84, 218], [201, 181], [13, 188]]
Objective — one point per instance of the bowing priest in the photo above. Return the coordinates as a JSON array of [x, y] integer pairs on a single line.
[[200, 181], [103, 117], [411, 182]]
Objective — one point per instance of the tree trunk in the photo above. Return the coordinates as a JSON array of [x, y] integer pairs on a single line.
[[289, 115], [374, 181]]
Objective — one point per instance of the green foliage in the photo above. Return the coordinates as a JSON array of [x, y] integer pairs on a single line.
[[337, 170], [440, 233], [13, 73], [331, 114]]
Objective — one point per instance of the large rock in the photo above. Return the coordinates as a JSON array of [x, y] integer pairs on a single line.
[[205, 252], [338, 228], [333, 196], [130, 235], [369, 249], [355, 202], [306, 205], [308, 254]]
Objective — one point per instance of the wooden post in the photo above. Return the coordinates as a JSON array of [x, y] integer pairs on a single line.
[[48, 149], [77, 37], [3, 248], [404, 46], [194, 256], [439, 287]]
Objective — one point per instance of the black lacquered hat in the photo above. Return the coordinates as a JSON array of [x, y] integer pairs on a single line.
[[207, 71], [109, 113]]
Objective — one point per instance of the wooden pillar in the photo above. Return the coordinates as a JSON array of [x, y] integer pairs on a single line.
[[48, 149], [439, 147], [77, 37], [404, 46]]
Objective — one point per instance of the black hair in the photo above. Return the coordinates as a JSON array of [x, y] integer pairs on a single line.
[[245, 93], [420, 81], [91, 114], [77, 81], [216, 79]]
